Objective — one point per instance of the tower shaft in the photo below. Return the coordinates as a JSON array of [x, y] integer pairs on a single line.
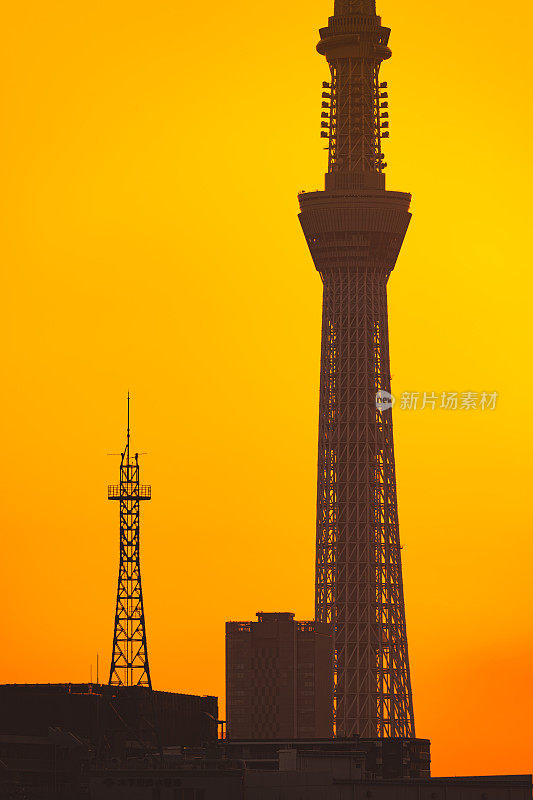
[[355, 230], [129, 660]]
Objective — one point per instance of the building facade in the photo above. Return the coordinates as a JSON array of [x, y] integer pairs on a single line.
[[380, 759], [109, 714], [278, 678], [304, 777]]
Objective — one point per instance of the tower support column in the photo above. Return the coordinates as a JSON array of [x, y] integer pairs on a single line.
[[355, 237]]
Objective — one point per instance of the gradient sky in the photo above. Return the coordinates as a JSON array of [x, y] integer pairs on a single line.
[[151, 157]]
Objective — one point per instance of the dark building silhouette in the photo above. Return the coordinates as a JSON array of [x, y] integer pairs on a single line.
[[47, 766], [278, 678], [301, 776], [355, 229], [109, 718], [378, 759]]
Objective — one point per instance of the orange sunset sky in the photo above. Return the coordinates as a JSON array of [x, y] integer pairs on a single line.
[[151, 156]]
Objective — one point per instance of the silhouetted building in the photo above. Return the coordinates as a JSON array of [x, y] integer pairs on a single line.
[[35, 767], [278, 678], [378, 759], [107, 716], [304, 776]]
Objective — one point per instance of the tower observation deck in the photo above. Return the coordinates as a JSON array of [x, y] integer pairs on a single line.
[[354, 230]]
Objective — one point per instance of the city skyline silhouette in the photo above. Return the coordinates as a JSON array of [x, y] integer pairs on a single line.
[[112, 219]]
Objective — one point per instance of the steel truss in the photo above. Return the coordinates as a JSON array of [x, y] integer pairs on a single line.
[[355, 230], [355, 131], [129, 660], [358, 563]]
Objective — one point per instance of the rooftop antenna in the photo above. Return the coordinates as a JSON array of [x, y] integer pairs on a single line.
[[127, 450], [129, 661]]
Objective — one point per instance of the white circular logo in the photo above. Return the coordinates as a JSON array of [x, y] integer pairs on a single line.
[[384, 400]]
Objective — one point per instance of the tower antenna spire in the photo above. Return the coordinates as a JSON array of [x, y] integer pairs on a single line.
[[128, 432]]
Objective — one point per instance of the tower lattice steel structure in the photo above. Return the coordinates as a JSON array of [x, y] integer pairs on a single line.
[[129, 661], [355, 229]]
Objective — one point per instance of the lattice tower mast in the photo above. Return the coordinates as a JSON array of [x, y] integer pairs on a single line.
[[355, 229], [129, 660]]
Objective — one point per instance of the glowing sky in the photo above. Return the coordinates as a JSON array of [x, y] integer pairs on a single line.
[[150, 157]]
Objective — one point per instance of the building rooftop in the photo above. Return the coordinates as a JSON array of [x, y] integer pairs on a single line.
[[275, 616]]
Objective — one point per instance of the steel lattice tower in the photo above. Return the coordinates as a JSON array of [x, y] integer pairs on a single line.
[[355, 229], [129, 661]]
